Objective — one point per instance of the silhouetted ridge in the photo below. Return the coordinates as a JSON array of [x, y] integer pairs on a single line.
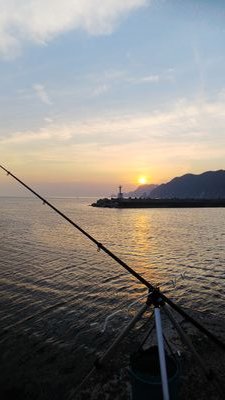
[[142, 191], [208, 185]]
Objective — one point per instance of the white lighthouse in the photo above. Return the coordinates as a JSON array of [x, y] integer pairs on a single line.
[[120, 194]]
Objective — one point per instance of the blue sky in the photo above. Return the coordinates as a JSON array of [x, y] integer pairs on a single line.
[[97, 94]]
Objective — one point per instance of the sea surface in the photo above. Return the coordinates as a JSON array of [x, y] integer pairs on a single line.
[[55, 284]]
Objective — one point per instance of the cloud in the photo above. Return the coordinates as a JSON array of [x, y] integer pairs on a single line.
[[145, 79], [60, 134], [100, 90], [40, 21], [187, 136], [165, 76], [99, 84], [48, 120], [185, 124], [41, 93]]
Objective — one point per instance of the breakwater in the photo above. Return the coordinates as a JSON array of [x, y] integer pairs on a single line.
[[158, 203]]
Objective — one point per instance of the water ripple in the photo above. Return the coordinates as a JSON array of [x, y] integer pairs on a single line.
[[56, 284]]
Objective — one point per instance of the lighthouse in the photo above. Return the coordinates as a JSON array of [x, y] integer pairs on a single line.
[[120, 194]]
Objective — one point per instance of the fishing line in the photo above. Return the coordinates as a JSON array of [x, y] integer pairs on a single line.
[[140, 278]]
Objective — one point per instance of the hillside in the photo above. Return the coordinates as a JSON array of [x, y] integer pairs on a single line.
[[208, 185], [142, 191]]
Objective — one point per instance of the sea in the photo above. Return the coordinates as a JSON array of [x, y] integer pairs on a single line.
[[58, 286]]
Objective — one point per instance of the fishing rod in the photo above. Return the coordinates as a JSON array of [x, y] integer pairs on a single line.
[[99, 245], [152, 289]]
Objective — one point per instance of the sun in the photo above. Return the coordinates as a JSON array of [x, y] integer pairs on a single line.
[[142, 180]]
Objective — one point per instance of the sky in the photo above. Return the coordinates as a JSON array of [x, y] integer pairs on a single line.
[[94, 94]]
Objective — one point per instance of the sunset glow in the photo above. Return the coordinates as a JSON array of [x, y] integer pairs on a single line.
[[142, 180], [97, 109]]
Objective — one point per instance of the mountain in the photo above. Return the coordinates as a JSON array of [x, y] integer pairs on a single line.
[[209, 185], [142, 191]]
